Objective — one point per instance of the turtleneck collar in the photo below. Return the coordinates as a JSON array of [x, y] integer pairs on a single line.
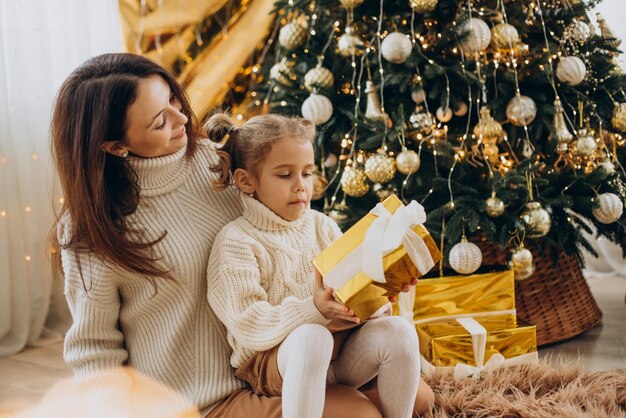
[[160, 175], [264, 218]]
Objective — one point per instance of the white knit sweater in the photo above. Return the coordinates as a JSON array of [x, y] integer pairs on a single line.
[[169, 333], [261, 276]]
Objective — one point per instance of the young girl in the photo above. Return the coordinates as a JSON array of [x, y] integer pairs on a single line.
[[263, 287]]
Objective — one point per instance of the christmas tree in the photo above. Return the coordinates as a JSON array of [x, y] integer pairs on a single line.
[[504, 118]]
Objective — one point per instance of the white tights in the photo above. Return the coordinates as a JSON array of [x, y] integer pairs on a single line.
[[385, 347]]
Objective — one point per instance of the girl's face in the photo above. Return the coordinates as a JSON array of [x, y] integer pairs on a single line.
[[156, 126], [285, 179]]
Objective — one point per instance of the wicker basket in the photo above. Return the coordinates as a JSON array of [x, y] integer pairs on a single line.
[[557, 300]]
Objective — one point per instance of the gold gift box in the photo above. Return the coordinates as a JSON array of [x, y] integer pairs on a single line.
[[361, 293], [492, 291], [448, 343]]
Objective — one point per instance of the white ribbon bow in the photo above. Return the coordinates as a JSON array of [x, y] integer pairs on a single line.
[[386, 234]]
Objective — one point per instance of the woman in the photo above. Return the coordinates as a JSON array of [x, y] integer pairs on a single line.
[[135, 233]]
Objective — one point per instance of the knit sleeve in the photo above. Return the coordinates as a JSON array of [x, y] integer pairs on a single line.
[[94, 341], [238, 299]]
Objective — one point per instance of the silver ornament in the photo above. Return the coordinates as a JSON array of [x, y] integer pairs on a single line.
[[423, 6], [562, 134], [373, 110], [521, 258], [494, 206], [578, 30], [396, 47], [607, 208], [521, 110], [571, 70], [380, 167], [465, 257], [292, 35], [536, 220], [317, 108], [444, 115], [354, 182], [319, 77], [407, 161], [349, 44], [478, 36]]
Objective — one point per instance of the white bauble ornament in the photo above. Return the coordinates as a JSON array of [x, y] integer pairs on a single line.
[[281, 72], [536, 220], [607, 208], [586, 144], [521, 110], [349, 44], [408, 161], [380, 167], [319, 77], [396, 47], [571, 70], [465, 257], [444, 115], [478, 36], [351, 4], [418, 96], [317, 108], [607, 165], [579, 31], [354, 182], [504, 36], [292, 35], [461, 109], [330, 161], [423, 6]]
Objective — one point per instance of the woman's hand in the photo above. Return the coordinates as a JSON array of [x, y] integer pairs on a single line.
[[405, 289], [327, 305]]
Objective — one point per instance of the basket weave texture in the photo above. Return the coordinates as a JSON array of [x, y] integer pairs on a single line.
[[557, 301]]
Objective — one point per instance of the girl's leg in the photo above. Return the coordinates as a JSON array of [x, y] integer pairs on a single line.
[[303, 360], [386, 347], [424, 401]]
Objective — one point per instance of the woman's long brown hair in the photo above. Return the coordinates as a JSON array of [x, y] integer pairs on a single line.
[[101, 189]]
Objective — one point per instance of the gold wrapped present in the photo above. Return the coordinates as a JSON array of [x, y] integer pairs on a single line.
[[470, 346], [449, 296], [377, 256]]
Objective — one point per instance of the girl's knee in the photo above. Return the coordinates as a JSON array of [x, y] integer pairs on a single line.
[[317, 338], [397, 332], [425, 399]]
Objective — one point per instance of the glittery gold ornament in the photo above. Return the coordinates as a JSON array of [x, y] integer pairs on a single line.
[[487, 128], [282, 72], [380, 167], [476, 36], [607, 208], [536, 220], [422, 121], [571, 70], [562, 134], [354, 182], [521, 110], [423, 6], [585, 145], [319, 77], [465, 257], [292, 35], [618, 120], [491, 152], [349, 44], [494, 206], [351, 4], [320, 182], [504, 36], [407, 161]]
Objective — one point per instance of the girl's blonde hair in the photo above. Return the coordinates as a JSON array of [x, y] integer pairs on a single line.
[[247, 146]]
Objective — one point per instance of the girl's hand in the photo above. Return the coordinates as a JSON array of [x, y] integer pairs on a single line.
[[327, 305], [405, 289]]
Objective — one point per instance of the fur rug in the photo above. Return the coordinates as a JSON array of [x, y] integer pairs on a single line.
[[533, 391]]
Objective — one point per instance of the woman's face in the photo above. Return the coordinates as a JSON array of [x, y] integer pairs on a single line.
[[156, 126]]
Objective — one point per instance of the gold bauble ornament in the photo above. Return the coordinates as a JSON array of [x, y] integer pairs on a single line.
[[351, 4], [461, 109], [521, 263], [422, 121], [504, 37], [618, 120], [494, 206], [536, 220], [292, 35], [585, 145], [521, 110], [487, 128], [354, 182], [465, 257], [383, 191], [380, 167], [562, 134], [571, 70], [491, 152], [320, 182], [408, 161], [282, 72], [319, 77], [608, 208], [418, 96], [444, 115], [477, 36], [423, 6]]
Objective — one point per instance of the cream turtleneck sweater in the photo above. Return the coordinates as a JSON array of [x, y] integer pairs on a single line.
[[169, 332], [261, 277]]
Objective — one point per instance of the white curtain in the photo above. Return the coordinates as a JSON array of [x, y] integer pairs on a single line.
[[41, 42]]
